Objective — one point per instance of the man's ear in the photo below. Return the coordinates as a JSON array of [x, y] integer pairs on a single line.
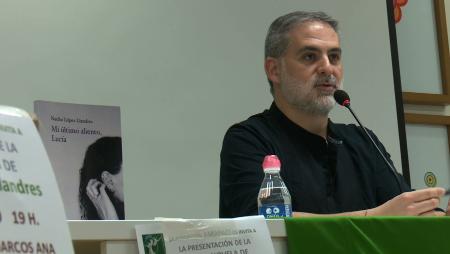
[[107, 180], [272, 68]]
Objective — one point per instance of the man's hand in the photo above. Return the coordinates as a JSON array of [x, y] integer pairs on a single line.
[[420, 202], [414, 203]]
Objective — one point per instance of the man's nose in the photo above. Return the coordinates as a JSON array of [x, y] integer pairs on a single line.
[[325, 68]]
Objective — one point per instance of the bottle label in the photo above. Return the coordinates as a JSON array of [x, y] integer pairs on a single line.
[[275, 211]]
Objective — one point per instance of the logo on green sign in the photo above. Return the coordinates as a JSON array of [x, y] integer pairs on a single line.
[[154, 244]]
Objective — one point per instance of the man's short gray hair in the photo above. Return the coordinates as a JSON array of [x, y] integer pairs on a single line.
[[277, 39]]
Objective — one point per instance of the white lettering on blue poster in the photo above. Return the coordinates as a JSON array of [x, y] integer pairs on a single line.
[[275, 211]]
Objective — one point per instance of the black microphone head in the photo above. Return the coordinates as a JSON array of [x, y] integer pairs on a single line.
[[342, 98]]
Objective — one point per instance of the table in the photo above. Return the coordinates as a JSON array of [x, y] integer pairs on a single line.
[[306, 235], [119, 237]]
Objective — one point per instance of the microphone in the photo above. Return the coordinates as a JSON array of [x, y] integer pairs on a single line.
[[343, 99]]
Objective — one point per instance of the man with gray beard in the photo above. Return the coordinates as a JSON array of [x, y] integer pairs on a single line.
[[328, 168]]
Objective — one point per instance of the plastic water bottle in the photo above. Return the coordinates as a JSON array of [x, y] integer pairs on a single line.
[[274, 200]]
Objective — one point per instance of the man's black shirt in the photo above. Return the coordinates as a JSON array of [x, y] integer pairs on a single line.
[[340, 174]]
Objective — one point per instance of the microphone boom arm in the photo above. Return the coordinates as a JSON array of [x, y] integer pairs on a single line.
[[393, 170]]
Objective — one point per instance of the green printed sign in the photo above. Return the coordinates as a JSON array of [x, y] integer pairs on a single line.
[[32, 218], [244, 235]]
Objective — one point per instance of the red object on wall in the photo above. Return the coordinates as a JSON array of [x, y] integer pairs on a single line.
[[398, 10]]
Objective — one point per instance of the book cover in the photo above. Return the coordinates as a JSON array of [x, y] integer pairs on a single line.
[[84, 145]]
